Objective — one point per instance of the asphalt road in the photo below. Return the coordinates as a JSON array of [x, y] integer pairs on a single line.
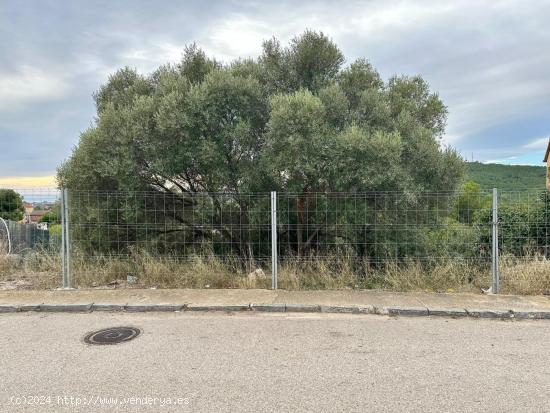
[[274, 362]]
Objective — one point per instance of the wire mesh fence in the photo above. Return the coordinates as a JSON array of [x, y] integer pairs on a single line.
[[438, 241], [30, 238], [524, 241], [170, 239], [385, 239], [383, 226], [25, 217]]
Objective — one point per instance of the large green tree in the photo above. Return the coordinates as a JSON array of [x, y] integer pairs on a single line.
[[11, 205], [293, 120]]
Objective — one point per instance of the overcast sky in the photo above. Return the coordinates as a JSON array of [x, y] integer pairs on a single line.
[[488, 60]]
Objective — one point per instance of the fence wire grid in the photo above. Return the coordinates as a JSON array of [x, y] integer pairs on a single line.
[[439, 241]]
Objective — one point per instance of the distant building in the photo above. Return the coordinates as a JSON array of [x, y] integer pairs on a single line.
[[28, 207], [34, 216], [547, 160], [37, 215]]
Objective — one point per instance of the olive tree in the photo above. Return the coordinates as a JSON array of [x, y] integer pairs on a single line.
[[296, 119]]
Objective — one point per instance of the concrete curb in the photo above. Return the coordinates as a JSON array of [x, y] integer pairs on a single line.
[[348, 309], [28, 307], [394, 311], [489, 313], [448, 312], [408, 311], [8, 309], [226, 308], [268, 308], [301, 308], [108, 307], [533, 315], [65, 308], [140, 308]]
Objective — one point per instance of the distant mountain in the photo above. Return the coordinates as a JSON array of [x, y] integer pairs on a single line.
[[507, 177]]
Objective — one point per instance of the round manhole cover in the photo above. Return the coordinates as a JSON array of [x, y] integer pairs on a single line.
[[113, 335]]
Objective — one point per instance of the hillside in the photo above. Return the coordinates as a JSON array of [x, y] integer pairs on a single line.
[[507, 177]]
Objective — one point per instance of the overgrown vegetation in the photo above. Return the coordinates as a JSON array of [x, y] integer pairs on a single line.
[[507, 177], [295, 120], [171, 182], [40, 270]]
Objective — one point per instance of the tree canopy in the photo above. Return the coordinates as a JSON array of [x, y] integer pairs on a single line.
[[11, 205], [294, 119]]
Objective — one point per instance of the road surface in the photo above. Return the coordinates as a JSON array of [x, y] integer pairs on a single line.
[[273, 362]]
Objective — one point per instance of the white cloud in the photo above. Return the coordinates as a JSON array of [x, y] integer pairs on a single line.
[[537, 144], [503, 160], [487, 60], [236, 36], [29, 85], [147, 59]]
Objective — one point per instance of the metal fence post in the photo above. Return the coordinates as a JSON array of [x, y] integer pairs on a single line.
[[494, 240], [66, 239], [273, 240], [62, 213]]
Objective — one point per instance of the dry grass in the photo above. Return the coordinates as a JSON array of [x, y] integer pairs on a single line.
[[444, 276], [529, 276], [340, 272], [167, 272], [40, 270], [319, 274], [34, 270]]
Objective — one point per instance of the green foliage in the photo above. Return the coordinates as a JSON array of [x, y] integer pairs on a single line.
[[207, 127], [55, 230], [524, 227], [507, 177], [196, 65], [121, 89], [470, 200], [359, 77], [11, 205], [294, 120], [54, 215], [312, 61], [455, 239], [297, 135]]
